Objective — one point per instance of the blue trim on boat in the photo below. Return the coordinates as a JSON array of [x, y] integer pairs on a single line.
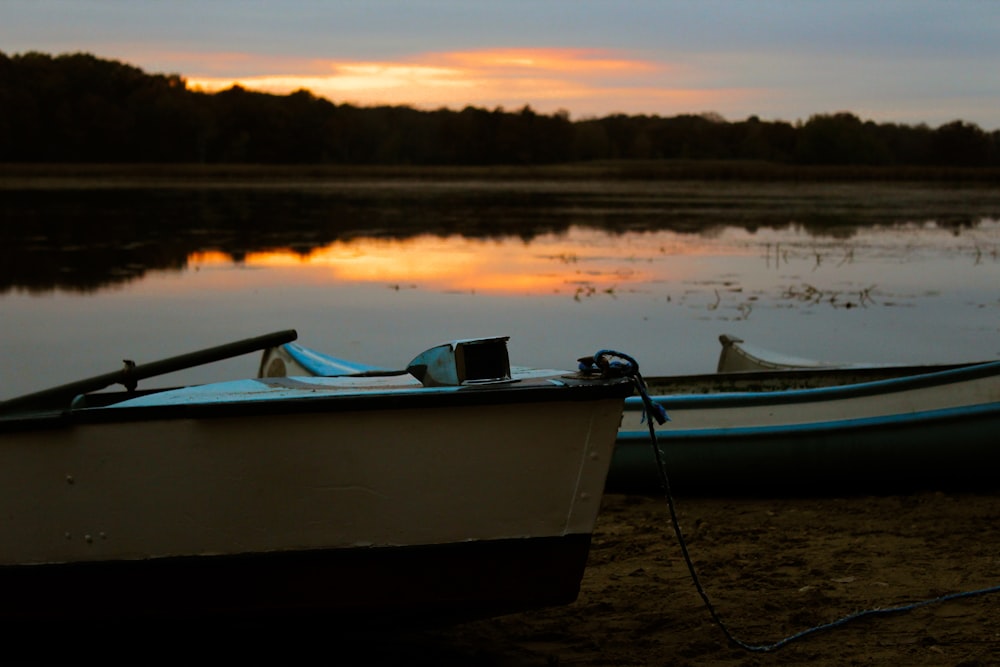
[[891, 385], [280, 389], [910, 418], [324, 365]]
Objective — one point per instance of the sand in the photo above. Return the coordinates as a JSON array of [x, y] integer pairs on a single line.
[[772, 567]]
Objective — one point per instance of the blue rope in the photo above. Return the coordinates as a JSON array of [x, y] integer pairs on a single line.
[[605, 362], [625, 366]]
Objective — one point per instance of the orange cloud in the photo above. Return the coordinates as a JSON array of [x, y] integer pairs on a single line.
[[521, 61], [589, 81]]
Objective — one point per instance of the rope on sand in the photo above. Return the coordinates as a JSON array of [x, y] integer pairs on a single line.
[[628, 367]]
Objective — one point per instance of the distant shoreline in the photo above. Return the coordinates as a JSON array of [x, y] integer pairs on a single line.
[[16, 175]]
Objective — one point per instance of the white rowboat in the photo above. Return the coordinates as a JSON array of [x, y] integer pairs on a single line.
[[454, 490]]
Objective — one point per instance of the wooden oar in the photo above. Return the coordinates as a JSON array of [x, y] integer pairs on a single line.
[[132, 373]]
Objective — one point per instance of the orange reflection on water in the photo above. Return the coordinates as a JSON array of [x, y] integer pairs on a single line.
[[545, 265]]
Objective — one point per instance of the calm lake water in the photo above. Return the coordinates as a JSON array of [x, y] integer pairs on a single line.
[[92, 272]]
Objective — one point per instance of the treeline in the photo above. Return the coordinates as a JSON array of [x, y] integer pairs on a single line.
[[83, 109]]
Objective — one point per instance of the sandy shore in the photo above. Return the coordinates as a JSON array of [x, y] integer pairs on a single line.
[[772, 567]]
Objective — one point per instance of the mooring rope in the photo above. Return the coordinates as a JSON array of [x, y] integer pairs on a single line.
[[654, 413]]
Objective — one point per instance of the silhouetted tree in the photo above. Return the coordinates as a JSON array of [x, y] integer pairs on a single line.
[[77, 107], [961, 144], [841, 138]]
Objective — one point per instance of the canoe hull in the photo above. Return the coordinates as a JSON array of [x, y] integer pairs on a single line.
[[935, 452], [934, 430], [738, 357]]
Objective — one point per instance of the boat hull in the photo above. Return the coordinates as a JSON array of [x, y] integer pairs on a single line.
[[935, 430], [457, 502], [739, 357]]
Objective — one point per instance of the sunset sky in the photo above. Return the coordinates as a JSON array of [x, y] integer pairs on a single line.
[[907, 61]]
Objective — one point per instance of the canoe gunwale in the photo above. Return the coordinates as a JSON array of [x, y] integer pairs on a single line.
[[816, 394], [830, 427]]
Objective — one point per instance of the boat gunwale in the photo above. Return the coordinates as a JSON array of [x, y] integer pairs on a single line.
[[535, 390], [726, 400], [826, 427], [803, 378]]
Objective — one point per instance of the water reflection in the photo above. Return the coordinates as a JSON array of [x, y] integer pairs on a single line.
[[89, 238], [582, 261], [548, 263]]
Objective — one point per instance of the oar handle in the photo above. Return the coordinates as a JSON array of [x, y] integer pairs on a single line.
[[129, 375]]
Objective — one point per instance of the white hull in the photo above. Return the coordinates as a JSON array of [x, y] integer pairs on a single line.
[[825, 405], [739, 357], [183, 487], [330, 494]]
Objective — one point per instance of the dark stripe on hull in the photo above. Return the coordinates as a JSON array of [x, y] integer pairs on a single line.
[[958, 451], [426, 584]]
